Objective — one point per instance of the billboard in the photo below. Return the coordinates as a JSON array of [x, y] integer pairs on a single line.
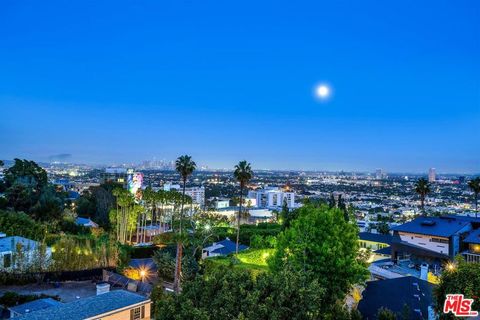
[[134, 184]]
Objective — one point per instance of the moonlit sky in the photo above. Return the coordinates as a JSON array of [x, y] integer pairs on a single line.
[[223, 81]]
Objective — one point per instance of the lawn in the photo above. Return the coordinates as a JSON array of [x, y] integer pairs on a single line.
[[250, 259]]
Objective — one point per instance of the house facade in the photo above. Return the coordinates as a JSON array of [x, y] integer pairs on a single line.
[[11, 248], [434, 240]]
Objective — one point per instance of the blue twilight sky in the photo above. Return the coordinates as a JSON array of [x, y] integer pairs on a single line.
[[125, 81]]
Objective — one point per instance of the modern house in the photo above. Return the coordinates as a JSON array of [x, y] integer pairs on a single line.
[[394, 294], [221, 248], [472, 246], [378, 243], [10, 247], [434, 240], [113, 305]]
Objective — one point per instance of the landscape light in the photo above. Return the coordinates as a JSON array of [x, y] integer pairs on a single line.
[[450, 266]]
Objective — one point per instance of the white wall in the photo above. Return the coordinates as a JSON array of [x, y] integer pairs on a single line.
[[425, 241]]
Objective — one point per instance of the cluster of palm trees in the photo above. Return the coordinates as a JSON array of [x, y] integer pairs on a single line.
[[185, 166], [422, 188], [157, 208]]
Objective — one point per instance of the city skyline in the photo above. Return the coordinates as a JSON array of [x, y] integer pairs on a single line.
[[224, 83]]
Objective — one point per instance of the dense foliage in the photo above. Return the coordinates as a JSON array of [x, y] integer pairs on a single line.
[[235, 294], [323, 244], [461, 277], [27, 189]]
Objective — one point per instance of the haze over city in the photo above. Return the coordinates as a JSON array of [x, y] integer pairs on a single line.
[[404, 84]]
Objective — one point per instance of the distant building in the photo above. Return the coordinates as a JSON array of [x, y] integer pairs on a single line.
[[196, 193], [393, 294], [272, 198], [116, 175], [113, 305], [221, 203], [380, 174], [432, 175], [221, 248], [9, 247]]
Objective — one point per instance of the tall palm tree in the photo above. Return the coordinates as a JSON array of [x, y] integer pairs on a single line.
[[474, 184], [422, 187], [243, 173], [185, 167]]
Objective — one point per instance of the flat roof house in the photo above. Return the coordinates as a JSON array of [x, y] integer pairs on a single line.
[[430, 239], [113, 305], [32, 306]]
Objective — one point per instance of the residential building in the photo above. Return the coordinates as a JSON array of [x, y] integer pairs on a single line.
[[32, 306], [117, 175], [196, 193], [9, 247], [113, 305], [394, 294], [472, 245], [431, 239], [221, 203], [85, 222], [221, 248], [272, 198], [379, 244]]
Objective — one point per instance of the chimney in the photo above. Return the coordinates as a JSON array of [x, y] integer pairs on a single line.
[[103, 287]]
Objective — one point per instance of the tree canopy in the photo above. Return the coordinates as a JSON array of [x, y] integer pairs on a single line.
[[323, 244]]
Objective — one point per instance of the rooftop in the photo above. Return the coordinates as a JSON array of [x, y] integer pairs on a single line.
[[10, 243], [224, 247], [35, 305], [394, 294], [473, 237], [434, 226], [376, 237], [88, 307]]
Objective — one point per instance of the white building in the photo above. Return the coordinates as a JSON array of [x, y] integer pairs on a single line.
[[196, 193], [432, 175], [9, 247], [272, 197]]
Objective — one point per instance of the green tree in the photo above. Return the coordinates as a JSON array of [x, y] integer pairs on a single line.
[[27, 173], [227, 293], [185, 167], [474, 185], [385, 314], [321, 243], [383, 228], [459, 277], [243, 174], [422, 188]]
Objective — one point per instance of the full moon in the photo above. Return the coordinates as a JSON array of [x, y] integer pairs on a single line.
[[323, 91]]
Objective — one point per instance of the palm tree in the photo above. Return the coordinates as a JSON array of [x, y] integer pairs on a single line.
[[474, 184], [185, 167], [422, 187], [243, 173]]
